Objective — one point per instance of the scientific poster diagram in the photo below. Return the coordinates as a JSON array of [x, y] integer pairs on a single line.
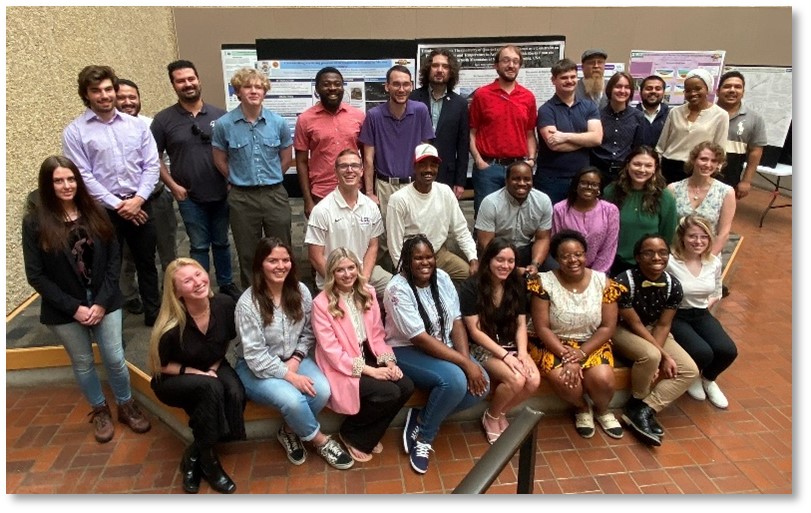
[[768, 92], [673, 68], [233, 59], [476, 61]]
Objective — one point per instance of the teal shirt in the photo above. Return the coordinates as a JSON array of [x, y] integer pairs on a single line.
[[634, 222]]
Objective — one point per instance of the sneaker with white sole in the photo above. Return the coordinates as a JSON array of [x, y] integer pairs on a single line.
[[335, 455], [411, 430], [610, 425], [292, 445], [714, 394], [696, 390], [419, 457]]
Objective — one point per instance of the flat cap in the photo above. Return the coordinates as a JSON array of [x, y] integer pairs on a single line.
[[593, 52]]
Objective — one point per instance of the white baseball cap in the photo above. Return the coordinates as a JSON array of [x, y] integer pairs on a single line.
[[424, 151]]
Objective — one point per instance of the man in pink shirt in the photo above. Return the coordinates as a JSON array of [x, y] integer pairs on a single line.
[[323, 131]]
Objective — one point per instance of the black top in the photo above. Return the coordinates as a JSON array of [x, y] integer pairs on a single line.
[[467, 304], [649, 301], [201, 350]]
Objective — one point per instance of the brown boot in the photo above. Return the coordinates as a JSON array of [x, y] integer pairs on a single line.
[[129, 414], [102, 421]]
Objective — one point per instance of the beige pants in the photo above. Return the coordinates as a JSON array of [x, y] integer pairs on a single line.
[[646, 359], [452, 264]]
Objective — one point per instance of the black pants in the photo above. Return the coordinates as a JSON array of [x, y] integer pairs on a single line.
[[610, 170], [705, 340], [142, 241], [379, 403], [215, 406], [673, 170]]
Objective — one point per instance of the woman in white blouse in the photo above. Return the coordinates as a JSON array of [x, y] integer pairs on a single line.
[[694, 327]]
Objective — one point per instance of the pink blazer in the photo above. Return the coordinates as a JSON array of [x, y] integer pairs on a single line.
[[336, 350]]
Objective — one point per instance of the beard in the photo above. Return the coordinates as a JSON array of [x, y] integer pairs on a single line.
[[594, 86]]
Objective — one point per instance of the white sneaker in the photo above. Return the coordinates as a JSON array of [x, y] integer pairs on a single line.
[[696, 390], [714, 394]]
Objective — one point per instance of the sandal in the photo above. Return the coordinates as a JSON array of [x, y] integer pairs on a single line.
[[377, 448], [491, 436], [610, 425], [584, 423], [356, 454]]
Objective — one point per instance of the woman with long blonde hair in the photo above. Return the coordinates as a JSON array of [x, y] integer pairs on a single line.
[[187, 355], [366, 383]]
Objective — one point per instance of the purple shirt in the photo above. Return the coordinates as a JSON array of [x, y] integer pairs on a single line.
[[599, 225], [394, 139], [115, 158]]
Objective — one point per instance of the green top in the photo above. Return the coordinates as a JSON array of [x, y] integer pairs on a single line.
[[634, 222]]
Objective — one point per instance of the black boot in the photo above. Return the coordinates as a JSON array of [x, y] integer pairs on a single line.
[[190, 469], [213, 473], [637, 415]]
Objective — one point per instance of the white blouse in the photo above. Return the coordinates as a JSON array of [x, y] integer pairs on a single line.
[[698, 290]]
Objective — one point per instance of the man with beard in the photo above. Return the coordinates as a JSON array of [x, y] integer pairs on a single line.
[[128, 99], [592, 85], [118, 159], [184, 132], [652, 93], [567, 128], [502, 125], [438, 77], [322, 131], [431, 209], [747, 134]]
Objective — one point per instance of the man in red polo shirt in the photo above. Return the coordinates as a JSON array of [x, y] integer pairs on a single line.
[[502, 125]]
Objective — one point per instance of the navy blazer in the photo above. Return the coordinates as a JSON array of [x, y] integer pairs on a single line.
[[452, 136], [55, 277]]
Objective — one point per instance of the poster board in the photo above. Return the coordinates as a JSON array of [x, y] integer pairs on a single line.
[[673, 67], [768, 92]]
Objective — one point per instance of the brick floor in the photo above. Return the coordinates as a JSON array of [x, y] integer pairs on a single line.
[[745, 449]]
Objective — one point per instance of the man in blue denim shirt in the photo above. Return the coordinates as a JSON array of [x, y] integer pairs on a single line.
[[253, 148]]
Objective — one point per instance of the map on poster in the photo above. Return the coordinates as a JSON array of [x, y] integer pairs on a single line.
[[476, 64], [673, 67], [768, 92]]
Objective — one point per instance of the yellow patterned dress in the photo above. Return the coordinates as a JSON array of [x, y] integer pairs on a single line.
[[573, 317]]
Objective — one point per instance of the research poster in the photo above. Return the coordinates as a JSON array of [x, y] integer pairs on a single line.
[[673, 67], [768, 92]]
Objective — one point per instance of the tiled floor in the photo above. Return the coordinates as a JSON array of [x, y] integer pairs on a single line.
[[745, 449]]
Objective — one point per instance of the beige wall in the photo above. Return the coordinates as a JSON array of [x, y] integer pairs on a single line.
[[139, 42]]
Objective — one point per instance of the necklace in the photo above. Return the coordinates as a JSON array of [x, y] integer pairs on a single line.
[[698, 191]]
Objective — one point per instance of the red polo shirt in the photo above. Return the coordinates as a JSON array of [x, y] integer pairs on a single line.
[[502, 120]]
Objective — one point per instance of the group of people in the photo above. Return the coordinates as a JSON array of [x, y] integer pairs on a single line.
[[587, 251]]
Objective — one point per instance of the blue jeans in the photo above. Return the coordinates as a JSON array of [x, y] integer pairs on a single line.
[[300, 411], [556, 187], [447, 385], [78, 340], [207, 226], [486, 181]]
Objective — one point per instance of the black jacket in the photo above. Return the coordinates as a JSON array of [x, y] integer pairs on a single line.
[[55, 277]]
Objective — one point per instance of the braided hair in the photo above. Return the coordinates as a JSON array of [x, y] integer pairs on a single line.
[[404, 268]]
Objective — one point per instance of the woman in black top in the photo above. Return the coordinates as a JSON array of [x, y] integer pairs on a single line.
[[72, 260], [187, 355]]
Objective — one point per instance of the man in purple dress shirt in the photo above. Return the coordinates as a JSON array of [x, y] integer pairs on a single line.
[[118, 159]]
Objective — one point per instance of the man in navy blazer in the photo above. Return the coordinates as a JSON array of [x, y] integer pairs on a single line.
[[439, 74]]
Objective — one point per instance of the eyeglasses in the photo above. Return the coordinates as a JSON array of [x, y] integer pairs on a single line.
[[195, 129], [354, 166], [649, 253], [506, 60], [577, 255], [588, 185]]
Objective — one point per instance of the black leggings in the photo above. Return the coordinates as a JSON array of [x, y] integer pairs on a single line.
[[704, 339]]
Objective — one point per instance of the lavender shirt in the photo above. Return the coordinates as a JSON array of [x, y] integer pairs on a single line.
[[394, 139], [115, 158], [599, 225]]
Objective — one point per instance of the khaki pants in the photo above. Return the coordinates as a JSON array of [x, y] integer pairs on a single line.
[[453, 264], [646, 359]]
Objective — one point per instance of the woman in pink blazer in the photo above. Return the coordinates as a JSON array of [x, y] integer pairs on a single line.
[[366, 383]]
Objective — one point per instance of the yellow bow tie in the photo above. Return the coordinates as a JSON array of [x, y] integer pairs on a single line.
[[647, 283]]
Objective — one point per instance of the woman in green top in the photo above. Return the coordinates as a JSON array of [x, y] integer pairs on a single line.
[[645, 205]]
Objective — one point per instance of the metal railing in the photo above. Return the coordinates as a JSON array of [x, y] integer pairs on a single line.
[[519, 436]]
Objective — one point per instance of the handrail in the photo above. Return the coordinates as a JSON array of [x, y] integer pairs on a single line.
[[520, 434]]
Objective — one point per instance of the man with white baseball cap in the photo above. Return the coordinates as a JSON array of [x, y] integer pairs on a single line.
[[431, 208]]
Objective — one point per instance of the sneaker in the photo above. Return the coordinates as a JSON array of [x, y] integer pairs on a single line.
[[610, 425], [231, 290], [419, 457], [696, 390], [584, 423], [411, 430], [292, 445], [335, 455], [129, 414], [102, 422], [714, 394]]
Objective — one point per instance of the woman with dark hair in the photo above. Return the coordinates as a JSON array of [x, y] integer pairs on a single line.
[[274, 339], [71, 259], [623, 127], [701, 193], [574, 314], [645, 204], [189, 370], [493, 306], [367, 385], [598, 220], [697, 119], [424, 326], [694, 327]]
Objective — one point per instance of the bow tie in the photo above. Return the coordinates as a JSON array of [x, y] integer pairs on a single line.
[[647, 283]]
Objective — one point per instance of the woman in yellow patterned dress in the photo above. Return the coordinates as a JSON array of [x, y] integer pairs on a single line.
[[574, 314]]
